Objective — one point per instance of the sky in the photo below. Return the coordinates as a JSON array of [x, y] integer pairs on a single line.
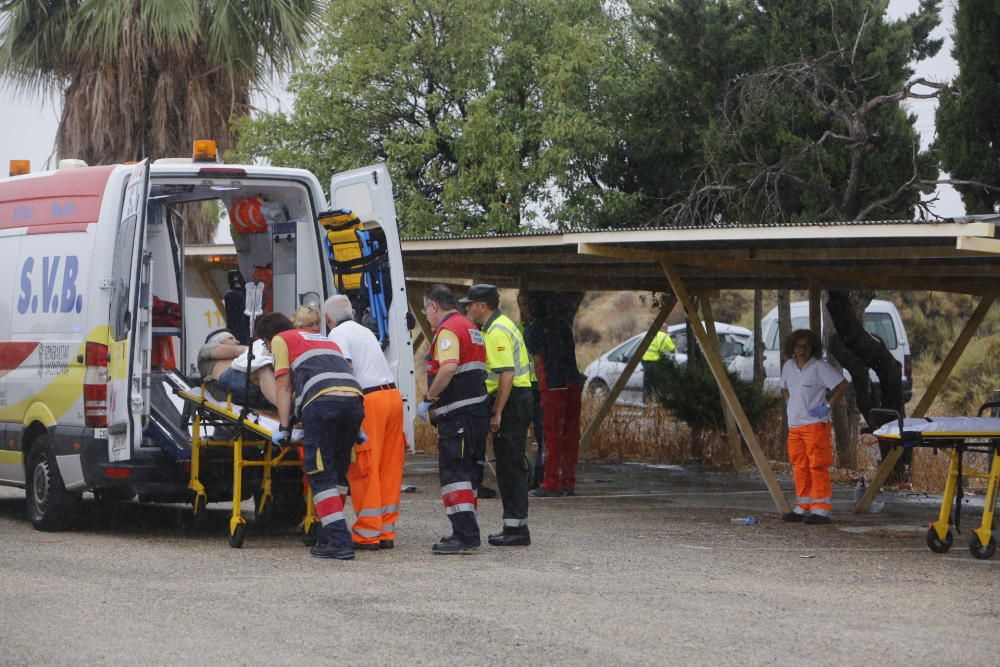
[[29, 121]]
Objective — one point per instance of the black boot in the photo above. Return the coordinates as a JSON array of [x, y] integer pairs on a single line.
[[519, 537]]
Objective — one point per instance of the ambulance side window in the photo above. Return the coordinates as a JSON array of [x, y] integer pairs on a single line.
[[120, 278]]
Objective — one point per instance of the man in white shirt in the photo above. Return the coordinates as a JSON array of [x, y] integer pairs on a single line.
[[810, 387], [376, 474]]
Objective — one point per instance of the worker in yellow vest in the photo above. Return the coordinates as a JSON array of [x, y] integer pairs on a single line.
[[661, 346]]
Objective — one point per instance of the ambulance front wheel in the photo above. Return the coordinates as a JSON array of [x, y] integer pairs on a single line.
[[980, 551], [50, 506], [936, 544]]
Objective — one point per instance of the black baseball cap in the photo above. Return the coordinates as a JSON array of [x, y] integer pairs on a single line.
[[481, 292]]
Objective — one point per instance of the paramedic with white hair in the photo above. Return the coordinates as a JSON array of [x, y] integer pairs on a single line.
[[376, 474]]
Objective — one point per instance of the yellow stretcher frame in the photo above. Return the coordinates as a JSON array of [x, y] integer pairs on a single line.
[[247, 434], [982, 544]]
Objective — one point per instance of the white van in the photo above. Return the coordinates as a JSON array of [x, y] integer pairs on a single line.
[[881, 319], [90, 254]]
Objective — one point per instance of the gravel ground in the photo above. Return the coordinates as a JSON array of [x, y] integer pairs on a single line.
[[644, 567]]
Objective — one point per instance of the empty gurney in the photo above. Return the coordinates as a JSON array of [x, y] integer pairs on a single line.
[[958, 436]]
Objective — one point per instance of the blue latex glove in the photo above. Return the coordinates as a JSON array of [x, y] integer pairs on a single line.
[[280, 437], [360, 438], [423, 410], [820, 411]]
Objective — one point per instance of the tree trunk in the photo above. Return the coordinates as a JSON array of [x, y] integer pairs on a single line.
[[784, 331], [844, 414], [858, 351], [758, 341], [694, 356]]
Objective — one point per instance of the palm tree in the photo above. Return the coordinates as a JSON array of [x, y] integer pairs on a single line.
[[143, 78]]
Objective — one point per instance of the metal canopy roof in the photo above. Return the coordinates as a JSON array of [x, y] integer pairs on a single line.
[[957, 255]]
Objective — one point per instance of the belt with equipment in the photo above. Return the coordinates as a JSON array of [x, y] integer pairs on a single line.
[[381, 387]]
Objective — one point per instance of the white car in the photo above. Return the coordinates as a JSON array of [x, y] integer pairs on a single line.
[[882, 319], [603, 372]]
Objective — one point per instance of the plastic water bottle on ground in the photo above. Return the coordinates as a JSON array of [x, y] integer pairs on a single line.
[[743, 521]]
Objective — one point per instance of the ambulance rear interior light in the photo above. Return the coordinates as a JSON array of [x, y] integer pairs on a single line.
[[117, 473], [19, 167]]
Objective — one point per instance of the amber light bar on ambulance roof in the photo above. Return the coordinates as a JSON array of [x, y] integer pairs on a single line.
[[204, 150], [19, 167]]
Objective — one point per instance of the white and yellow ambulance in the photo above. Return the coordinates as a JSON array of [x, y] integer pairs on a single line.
[[87, 257]]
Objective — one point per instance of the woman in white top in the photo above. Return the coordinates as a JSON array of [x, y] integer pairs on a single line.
[[810, 387]]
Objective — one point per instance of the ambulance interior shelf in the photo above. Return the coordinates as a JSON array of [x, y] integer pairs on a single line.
[[959, 436]]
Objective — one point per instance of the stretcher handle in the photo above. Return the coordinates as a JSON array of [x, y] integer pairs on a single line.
[[987, 406], [875, 413]]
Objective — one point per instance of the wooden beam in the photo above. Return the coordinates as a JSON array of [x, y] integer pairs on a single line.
[[933, 389], [726, 389], [668, 304], [875, 252], [978, 244], [732, 430]]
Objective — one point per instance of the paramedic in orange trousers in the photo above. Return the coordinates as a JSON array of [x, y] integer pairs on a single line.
[[328, 401], [810, 387], [376, 474], [457, 404]]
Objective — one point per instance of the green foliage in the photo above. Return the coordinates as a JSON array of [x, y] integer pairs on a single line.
[[475, 106], [810, 130], [142, 79], [968, 134], [975, 378], [690, 392]]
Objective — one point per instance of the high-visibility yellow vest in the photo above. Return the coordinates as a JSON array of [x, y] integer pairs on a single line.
[[661, 346]]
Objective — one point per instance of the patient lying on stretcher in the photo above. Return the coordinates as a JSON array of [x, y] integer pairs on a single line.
[[223, 360]]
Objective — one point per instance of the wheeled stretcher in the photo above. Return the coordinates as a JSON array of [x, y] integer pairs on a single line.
[[223, 424], [957, 435]]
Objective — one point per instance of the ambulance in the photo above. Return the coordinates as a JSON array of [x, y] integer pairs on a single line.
[[92, 324]]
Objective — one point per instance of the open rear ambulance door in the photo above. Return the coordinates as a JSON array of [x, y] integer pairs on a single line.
[[128, 351], [368, 192]]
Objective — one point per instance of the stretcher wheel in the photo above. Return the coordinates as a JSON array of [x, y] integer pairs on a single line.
[[237, 536], [200, 511], [936, 544], [979, 551], [309, 537]]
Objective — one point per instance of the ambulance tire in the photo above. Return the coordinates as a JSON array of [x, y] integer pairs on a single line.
[[50, 506]]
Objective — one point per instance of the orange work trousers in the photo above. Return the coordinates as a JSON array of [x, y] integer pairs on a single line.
[[811, 456], [376, 474]]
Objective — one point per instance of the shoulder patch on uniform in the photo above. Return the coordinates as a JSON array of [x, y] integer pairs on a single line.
[[444, 343], [477, 336]]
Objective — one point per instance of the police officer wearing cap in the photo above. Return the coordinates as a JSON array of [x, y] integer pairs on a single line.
[[508, 383]]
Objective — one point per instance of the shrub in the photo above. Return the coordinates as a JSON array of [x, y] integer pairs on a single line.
[[690, 392]]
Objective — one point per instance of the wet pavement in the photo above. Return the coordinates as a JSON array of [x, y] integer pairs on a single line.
[[642, 567]]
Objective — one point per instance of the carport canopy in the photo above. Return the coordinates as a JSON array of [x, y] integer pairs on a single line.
[[959, 255]]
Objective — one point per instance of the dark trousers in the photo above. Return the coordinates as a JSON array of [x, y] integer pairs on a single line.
[[539, 432], [509, 445], [330, 425], [461, 449]]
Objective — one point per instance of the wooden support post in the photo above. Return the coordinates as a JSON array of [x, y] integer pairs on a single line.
[[417, 308], [726, 389], [933, 389], [732, 431], [815, 308], [668, 304], [418, 340]]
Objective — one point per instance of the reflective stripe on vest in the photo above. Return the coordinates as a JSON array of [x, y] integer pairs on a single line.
[[316, 364], [469, 380], [455, 405]]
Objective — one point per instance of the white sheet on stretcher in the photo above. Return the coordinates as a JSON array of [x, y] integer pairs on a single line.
[[945, 427], [261, 420]]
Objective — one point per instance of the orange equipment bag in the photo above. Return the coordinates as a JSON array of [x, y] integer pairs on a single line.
[[345, 248], [246, 216]]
